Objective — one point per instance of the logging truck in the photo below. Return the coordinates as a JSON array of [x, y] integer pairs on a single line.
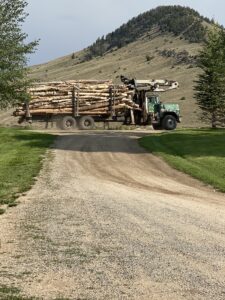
[[81, 103]]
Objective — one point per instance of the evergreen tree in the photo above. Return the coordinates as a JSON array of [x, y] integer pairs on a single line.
[[13, 52], [210, 86]]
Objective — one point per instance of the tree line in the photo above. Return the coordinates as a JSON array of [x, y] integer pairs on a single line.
[[175, 19]]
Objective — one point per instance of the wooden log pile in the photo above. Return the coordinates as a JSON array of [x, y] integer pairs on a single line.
[[89, 96]]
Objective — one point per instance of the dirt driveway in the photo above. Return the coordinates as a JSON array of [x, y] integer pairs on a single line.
[[106, 220]]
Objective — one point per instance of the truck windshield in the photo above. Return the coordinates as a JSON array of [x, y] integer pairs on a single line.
[[153, 99]]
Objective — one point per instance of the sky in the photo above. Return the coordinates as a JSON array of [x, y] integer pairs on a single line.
[[67, 26]]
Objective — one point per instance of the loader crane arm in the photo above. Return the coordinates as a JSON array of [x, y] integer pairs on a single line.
[[151, 85]]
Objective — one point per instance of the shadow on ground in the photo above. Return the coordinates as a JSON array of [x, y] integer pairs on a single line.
[[181, 143]]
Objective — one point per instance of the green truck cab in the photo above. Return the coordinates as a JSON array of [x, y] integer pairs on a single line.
[[160, 115], [151, 111]]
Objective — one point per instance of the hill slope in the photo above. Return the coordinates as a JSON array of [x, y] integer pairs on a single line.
[[162, 43]]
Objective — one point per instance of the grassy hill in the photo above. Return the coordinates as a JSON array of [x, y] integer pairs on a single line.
[[162, 43]]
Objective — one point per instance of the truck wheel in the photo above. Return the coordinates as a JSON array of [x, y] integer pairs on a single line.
[[169, 122], [68, 123], [86, 123]]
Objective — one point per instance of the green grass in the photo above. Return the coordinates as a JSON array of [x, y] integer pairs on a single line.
[[21, 154], [11, 293], [199, 153]]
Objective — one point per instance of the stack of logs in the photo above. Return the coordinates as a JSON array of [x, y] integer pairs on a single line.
[[90, 97]]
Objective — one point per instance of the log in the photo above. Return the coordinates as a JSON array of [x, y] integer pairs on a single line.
[[93, 95], [58, 99], [95, 113], [92, 98], [94, 106]]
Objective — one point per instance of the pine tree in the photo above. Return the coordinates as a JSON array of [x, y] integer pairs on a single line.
[[210, 86], [13, 52]]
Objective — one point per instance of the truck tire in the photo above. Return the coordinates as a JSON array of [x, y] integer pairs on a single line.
[[169, 122], [68, 123], [86, 123]]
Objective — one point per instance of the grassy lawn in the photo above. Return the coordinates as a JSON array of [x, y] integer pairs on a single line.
[[200, 153], [21, 154]]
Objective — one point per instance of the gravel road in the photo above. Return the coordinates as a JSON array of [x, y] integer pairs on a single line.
[[106, 220]]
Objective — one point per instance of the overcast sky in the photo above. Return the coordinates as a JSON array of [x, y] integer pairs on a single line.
[[65, 26]]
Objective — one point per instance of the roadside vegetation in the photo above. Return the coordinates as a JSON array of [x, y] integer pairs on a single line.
[[14, 51], [199, 153], [21, 154], [210, 86], [11, 293]]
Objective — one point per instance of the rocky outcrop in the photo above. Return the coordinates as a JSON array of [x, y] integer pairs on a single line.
[[182, 57]]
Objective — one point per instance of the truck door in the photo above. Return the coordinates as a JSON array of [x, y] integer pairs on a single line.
[[152, 102]]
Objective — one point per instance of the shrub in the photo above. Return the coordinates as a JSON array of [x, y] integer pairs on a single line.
[[149, 58]]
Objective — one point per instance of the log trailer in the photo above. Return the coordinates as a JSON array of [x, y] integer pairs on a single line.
[[81, 103], [76, 103]]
